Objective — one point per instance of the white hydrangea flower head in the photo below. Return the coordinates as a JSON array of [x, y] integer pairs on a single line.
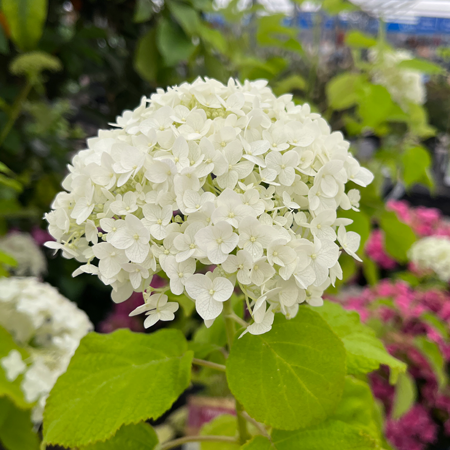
[[29, 257], [432, 253], [205, 177], [48, 326], [404, 85]]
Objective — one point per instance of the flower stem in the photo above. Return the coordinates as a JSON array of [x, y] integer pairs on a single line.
[[186, 439], [230, 329], [211, 365]]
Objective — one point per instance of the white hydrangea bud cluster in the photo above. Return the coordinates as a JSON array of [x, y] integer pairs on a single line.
[[432, 253], [227, 176], [48, 326], [29, 257], [404, 85]]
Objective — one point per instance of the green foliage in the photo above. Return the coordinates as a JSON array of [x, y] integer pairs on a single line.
[[365, 352], [10, 389], [357, 406], [358, 39], [330, 435], [405, 395], [434, 357], [420, 65], [223, 425], [398, 237], [16, 429], [258, 443], [416, 165], [173, 43], [343, 90], [138, 436], [123, 378], [291, 377], [147, 58], [143, 11], [26, 20]]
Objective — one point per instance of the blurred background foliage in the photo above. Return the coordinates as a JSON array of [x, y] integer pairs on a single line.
[[70, 67]]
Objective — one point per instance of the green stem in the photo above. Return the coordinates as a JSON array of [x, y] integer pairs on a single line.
[[186, 439], [15, 111], [211, 365], [230, 329]]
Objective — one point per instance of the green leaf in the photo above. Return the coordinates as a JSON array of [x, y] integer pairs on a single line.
[[398, 237], [371, 271], [4, 47], [421, 65], [7, 259], [357, 39], [26, 20], [213, 37], [343, 90], [365, 352], [436, 323], [416, 164], [405, 395], [173, 43], [122, 378], [138, 436], [290, 83], [10, 182], [143, 11], [16, 429], [258, 443], [291, 377], [186, 17], [223, 425], [147, 59], [434, 357], [331, 435], [357, 405], [375, 105], [12, 390]]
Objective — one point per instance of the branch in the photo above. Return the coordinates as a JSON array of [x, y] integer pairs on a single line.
[[258, 425], [211, 365], [186, 439]]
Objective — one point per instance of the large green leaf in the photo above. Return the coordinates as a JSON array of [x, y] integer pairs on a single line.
[[405, 395], [357, 39], [291, 377], [138, 436], [416, 164], [331, 435], [375, 106], [434, 357], [16, 429], [259, 443], [398, 237], [26, 20], [365, 352], [420, 65], [147, 58], [113, 380], [343, 90], [173, 43], [8, 388], [223, 425], [186, 16], [359, 408]]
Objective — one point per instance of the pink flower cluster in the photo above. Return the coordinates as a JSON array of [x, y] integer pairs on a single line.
[[423, 221], [375, 250], [403, 312]]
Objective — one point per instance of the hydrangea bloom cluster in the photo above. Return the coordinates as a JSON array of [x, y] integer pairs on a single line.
[[23, 248], [404, 85], [407, 313], [225, 176], [432, 253], [48, 326]]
